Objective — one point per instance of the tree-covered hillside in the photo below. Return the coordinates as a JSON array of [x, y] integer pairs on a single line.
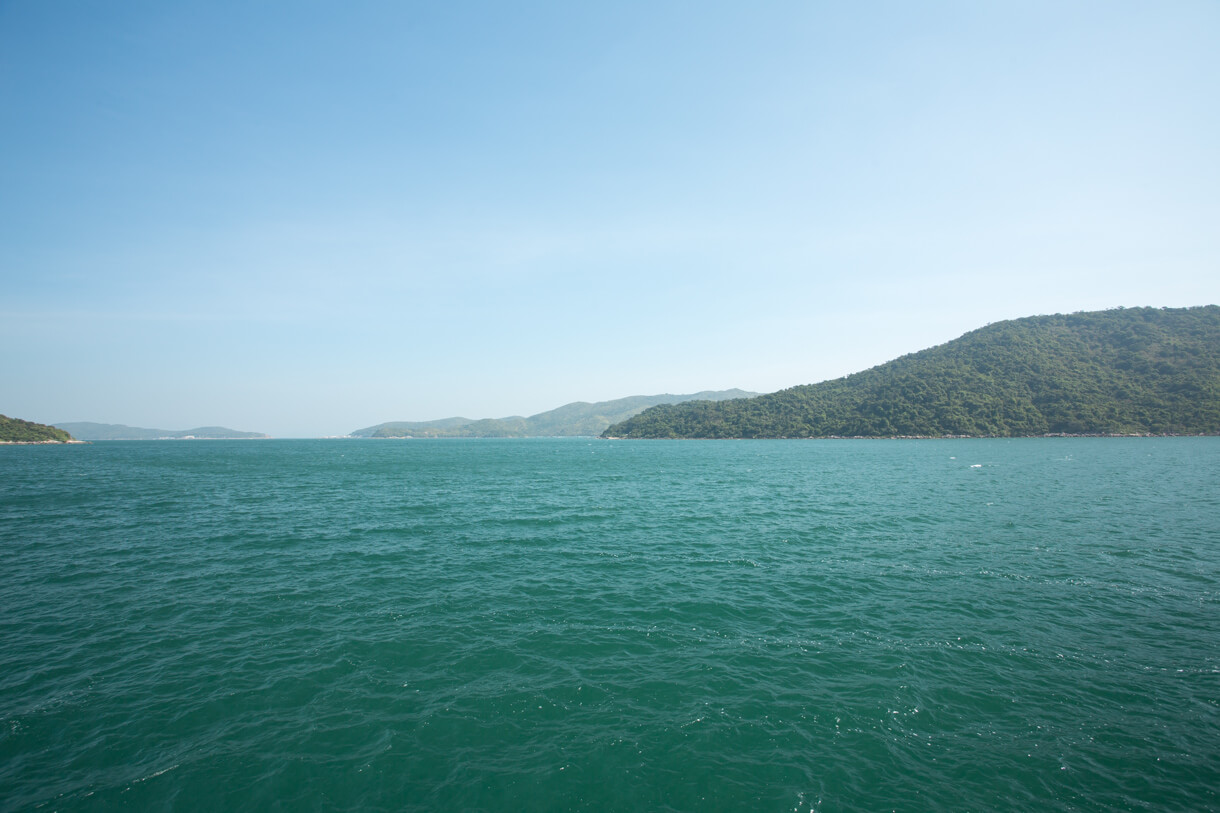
[[1124, 371], [15, 430]]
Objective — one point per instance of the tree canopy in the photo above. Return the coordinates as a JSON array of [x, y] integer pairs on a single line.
[[15, 430], [1122, 371]]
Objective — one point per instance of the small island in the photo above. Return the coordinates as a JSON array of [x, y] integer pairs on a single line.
[[17, 431]]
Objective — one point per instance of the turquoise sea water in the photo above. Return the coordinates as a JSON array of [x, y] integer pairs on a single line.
[[600, 625]]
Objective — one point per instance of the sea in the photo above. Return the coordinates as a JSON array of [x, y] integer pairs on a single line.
[[583, 624]]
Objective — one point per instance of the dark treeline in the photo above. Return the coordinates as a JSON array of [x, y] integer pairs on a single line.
[[1123, 371], [15, 430]]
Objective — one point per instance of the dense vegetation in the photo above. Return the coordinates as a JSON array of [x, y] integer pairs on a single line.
[[1123, 371], [578, 419], [86, 430], [15, 430]]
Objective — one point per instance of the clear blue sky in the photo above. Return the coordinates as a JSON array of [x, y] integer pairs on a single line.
[[305, 218]]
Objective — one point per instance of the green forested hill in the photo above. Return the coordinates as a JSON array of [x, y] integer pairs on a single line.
[[1124, 371], [15, 430], [577, 419]]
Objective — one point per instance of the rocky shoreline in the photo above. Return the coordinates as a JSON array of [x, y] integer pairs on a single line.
[[43, 442]]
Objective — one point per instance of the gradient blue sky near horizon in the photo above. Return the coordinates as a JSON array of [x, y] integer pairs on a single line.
[[305, 218]]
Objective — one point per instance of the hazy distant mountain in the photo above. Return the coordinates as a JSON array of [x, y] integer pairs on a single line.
[[578, 419], [84, 430], [1115, 372], [15, 430]]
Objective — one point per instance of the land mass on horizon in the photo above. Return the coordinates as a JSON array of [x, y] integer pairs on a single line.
[[86, 430], [1126, 371], [16, 430], [577, 419]]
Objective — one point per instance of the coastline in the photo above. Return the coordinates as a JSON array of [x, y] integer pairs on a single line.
[[43, 442], [939, 437]]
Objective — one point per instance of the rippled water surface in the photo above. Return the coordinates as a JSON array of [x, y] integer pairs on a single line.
[[578, 624]]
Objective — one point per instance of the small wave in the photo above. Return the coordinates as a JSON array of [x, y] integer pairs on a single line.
[[155, 774]]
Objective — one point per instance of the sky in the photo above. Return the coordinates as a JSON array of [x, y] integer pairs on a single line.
[[305, 218]]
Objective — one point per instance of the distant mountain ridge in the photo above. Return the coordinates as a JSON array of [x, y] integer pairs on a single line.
[[86, 430], [1114, 372], [577, 419]]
